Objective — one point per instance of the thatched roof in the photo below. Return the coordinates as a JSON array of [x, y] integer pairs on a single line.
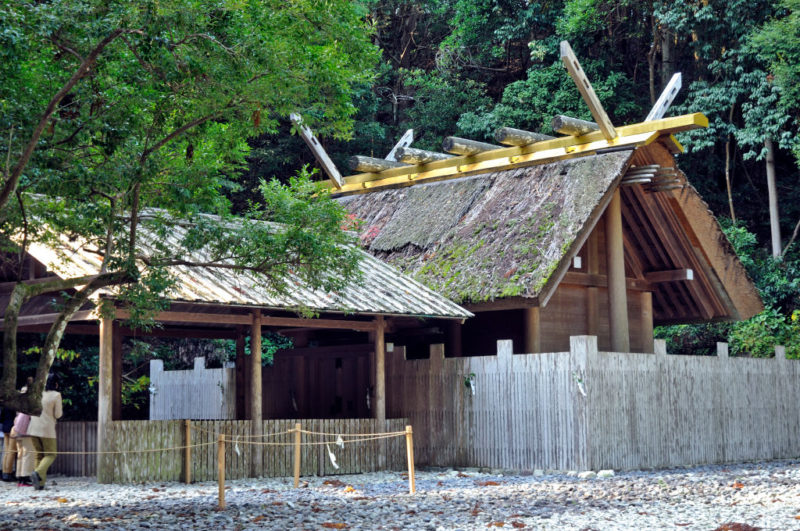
[[491, 236], [514, 233]]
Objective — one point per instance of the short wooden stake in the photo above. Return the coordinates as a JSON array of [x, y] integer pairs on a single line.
[[187, 453], [412, 486], [221, 469], [297, 455]]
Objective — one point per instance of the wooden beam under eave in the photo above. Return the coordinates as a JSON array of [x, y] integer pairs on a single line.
[[50, 318], [595, 280], [242, 319], [672, 275]]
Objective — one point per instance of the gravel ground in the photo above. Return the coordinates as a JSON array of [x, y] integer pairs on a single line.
[[731, 497]]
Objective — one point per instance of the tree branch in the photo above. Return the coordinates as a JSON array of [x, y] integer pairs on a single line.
[[12, 180], [31, 402]]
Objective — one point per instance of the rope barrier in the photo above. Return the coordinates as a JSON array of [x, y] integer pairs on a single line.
[[24, 451], [374, 437], [244, 435]]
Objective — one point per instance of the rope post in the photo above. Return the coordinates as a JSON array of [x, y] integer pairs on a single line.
[[412, 486], [297, 435], [187, 453], [221, 469]]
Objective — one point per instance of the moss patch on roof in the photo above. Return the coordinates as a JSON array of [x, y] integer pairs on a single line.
[[490, 236]]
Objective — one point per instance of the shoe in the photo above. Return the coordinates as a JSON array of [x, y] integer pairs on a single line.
[[8, 477], [24, 481], [37, 481]]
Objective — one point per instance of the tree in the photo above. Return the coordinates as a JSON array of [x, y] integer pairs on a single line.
[[111, 108]]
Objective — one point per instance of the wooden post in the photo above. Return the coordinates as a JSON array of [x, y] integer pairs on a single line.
[[593, 267], [256, 416], [116, 373], [380, 370], [533, 335], [454, 339], [297, 450], [617, 290], [187, 454], [221, 469], [412, 486], [242, 386], [104, 407], [647, 321]]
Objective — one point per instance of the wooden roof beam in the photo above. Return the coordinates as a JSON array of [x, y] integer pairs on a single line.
[[465, 146], [665, 99], [371, 164], [518, 137], [634, 135], [420, 156], [319, 152], [406, 140], [587, 92], [567, 125]]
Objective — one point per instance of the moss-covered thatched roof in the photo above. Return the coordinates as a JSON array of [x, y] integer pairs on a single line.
[[491, 236]]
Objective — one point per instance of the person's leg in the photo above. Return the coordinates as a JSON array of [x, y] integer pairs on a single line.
[[38, 453], [9, 457], [26, 455], [40, 472]]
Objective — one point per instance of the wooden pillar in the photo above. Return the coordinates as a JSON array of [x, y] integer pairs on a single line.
[[454, 339], [379, 411], [255, 391], [104, 406], [617, 290], [533, 335], [593, 268], [116, 373], [242, 384], [647, 321]]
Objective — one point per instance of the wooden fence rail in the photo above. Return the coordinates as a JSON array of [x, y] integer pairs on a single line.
[[132, 465]]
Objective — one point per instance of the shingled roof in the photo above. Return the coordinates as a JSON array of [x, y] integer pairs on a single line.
[[382, 290]]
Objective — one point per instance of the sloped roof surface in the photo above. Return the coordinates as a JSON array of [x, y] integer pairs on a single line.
[[384, 290], [495, 235]]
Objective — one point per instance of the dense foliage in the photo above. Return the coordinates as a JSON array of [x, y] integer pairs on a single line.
[[110, 109]]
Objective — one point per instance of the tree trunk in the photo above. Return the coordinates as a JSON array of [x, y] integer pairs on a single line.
[[774, 220]]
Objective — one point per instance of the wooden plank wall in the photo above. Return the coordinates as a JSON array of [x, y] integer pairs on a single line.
[[194, 394], [76, 437], [639, 410], [659, 410], [523, 414], [133, 466]]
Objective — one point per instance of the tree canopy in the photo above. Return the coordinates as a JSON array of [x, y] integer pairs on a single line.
[[113, 108]]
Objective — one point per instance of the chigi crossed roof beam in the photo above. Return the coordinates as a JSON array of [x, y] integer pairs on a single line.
[[629, 136]]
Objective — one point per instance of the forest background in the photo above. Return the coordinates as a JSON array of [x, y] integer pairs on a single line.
[[466, 67]]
